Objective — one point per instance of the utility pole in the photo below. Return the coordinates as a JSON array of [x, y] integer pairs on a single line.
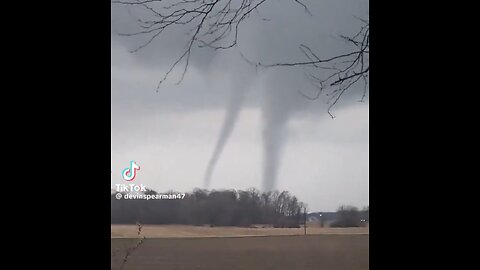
[[305, 220]]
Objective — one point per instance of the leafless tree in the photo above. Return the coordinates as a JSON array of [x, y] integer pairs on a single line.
[[335, 75], [347, 216], [216, 24]]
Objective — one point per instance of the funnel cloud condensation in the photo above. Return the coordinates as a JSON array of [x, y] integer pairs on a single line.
[[241, 79]]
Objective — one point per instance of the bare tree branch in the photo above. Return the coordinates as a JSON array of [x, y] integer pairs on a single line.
[[216, 24], [334, 76]]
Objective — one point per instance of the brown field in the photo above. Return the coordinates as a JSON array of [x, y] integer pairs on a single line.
[[331, 252], [176, 231], [192, 248]]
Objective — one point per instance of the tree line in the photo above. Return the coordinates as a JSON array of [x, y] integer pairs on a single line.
[[350, 216], [215, 208]]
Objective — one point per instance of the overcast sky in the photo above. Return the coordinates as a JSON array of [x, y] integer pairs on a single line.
[[172, 134]]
